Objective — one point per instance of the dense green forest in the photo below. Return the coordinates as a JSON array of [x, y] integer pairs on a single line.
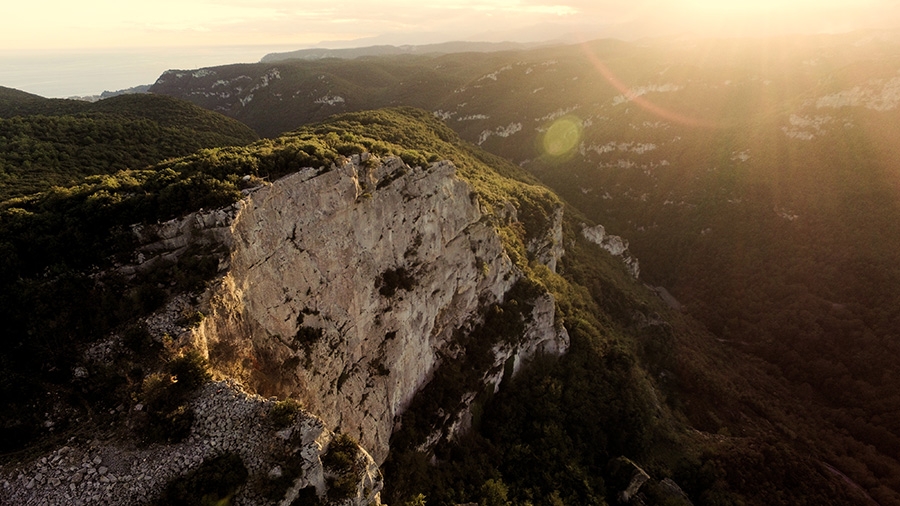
[[641, 381], [46, 142]]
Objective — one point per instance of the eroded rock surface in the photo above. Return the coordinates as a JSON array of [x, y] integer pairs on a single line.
[[346, 286], [615, 245], [228, 420]]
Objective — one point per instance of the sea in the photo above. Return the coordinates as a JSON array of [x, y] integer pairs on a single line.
[[88, 72]]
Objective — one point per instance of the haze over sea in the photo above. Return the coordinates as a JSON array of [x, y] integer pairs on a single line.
[[67, 73]]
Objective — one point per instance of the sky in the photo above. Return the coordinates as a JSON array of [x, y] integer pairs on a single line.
[[41, 30], [43, 24]]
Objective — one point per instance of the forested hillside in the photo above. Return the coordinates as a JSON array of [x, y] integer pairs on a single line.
[[46, 142]]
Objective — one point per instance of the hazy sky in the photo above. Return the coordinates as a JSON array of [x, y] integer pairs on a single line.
[[43, 24], [67, 48]]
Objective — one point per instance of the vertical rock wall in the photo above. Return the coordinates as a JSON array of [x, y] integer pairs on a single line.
[[345, 286]]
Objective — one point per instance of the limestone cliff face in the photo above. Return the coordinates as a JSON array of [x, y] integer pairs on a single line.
[[549, 248], [343, 288], [542, 337], [615, 245]]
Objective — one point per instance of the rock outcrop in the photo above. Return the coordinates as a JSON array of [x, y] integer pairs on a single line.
[[542, 337], [549, 248], [343, 297], [635, 485], [345, 288], [615, 245]]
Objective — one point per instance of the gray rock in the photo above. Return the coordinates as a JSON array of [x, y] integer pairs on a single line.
[[309, 251], [673, 491], [614, 245], [624, 470]]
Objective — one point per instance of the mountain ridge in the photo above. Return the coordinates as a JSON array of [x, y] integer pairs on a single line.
[[387, 49], [636, 380], [754, 179]]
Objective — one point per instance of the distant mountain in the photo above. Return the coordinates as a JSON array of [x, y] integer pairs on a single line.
[[388, 50], [15, 102], [275, 97], [45, 142], [127, 91], [756, 179], [109, 94], [12, 95]]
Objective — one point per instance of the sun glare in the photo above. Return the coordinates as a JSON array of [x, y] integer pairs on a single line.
[[630, 94], [562, 137], [52, 23], [768, 17]]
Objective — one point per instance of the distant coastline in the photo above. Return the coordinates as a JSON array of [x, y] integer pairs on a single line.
[[72, 73]]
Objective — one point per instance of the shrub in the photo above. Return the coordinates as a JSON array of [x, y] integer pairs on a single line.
[[190, 371], [341, 455], [175, 425], [418, 500], [494, 493], [190, 318], [393, 279], [137, 339], [342, 460], [307, 336], [157, 391], [168, 416], [282, 413], [342, 487]]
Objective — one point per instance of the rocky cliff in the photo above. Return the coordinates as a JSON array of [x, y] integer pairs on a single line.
[[395, 303], [614, 245], [346, 286]]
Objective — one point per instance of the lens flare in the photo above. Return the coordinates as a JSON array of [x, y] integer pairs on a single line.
[[562, 137], [641, 101]]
